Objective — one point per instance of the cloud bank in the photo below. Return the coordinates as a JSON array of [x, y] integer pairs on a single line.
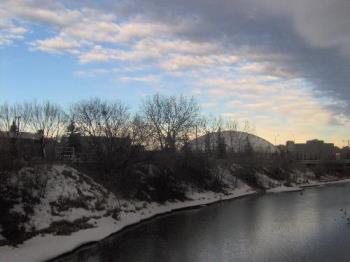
[[265, 58]]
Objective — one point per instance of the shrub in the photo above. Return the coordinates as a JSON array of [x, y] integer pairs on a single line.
[[13, 229], [65, 227]]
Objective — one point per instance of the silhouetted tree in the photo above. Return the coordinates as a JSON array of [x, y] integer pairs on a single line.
[[220, 144], [106, 125], [248, 149], [48, 120], [74, 137], [170, 119]]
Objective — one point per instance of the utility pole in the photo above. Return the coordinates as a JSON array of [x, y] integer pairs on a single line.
[[196, 138]]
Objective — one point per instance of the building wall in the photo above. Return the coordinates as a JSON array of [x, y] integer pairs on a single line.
[[345, 153], [312, 150]]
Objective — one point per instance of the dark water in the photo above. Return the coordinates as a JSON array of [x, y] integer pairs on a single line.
[[274, 227]]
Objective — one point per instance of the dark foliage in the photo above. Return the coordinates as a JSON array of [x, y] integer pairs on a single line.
[[64, 227]]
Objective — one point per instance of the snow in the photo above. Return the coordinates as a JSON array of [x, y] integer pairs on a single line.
[[323, 183], [266, 182], [310, 183], [46, 247], [62, 184], [283, 188]]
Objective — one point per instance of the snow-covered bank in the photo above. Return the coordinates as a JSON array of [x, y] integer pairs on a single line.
[[283, 188], [65, 186], [301, 186], [324, 183], [41, 248]]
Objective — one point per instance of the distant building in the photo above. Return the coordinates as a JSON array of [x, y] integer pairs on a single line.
[[25, 144], [86, 147], [20, 135], [311, 150], [345, 152]]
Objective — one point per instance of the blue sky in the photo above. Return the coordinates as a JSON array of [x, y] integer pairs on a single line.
[[283, 66]]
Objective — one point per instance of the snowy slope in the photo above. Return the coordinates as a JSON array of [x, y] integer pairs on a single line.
[[46, 246], [236, 141], [71, 195], [47, 194], [66, 182]]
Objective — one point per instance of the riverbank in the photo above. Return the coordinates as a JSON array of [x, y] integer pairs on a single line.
[[45, 247], [301, 187], [42, 248], [265, 227]]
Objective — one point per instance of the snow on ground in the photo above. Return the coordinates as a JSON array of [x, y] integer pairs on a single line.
[[266, 182], [63, 194], [302, 177], [307, 183], [42, 248], [314, 183], [283, 188]]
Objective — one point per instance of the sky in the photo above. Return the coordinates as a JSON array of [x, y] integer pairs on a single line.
[[282, 65]]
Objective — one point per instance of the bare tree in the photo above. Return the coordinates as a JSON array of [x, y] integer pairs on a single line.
[[232, 126], [104, 123], [99, 118], [13, 114], [171, 119], [47, 120], [140, 131], [210, 126]]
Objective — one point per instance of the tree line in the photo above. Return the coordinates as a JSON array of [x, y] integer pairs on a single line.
[[161, 123], [150, 154], [115, 145]]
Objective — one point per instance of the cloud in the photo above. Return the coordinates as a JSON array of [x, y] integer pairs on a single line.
[[183, 62], [56, 45], [145, 79], [92, 72], [322, 23], [11, 33], [45, 12], [267, 58], [305, 39]]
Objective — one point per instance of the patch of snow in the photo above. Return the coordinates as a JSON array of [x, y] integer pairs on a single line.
[[322, 183], [310, 183], [63, 194], [283, 188], [266, 182], [65, 184], [46, 247]]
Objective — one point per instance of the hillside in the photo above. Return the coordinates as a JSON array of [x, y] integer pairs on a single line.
[[50, 199], [236, 141], [55, 208]]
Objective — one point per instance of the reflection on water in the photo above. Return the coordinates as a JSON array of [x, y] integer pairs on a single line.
[[274, 227]]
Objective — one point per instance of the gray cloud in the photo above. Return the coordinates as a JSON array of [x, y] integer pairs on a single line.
[[308, 39]]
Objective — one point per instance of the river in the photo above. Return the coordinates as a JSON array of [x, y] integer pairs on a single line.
[[308, 226]]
